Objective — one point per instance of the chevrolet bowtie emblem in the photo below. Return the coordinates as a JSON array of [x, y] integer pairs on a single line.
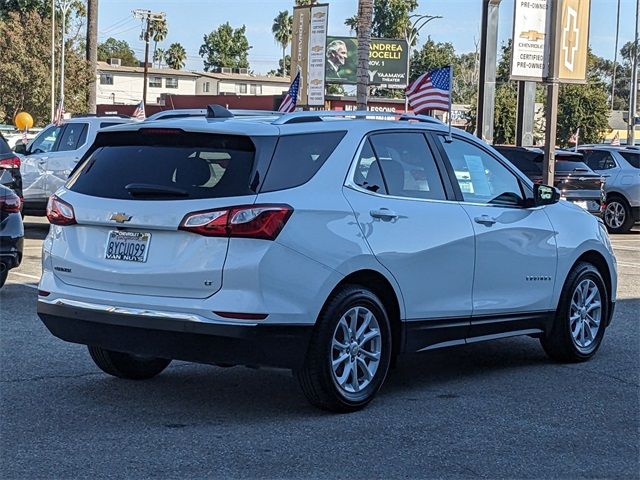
[[532, 35], [120, 217]]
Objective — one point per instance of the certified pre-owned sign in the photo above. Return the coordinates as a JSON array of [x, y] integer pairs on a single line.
[[529, 35], [388, 61]]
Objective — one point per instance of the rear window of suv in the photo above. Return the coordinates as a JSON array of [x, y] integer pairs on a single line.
[[161, 166], [4, 147], [298, 158], [632, 157]]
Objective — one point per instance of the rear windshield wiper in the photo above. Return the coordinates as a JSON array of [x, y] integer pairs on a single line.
[[149, 190]]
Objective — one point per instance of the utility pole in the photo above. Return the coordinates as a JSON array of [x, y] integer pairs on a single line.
[[146, 16], [416, 23], [488, 61], [53, 59], [553, 85], [92, 52], [633, 96], [615, 58]]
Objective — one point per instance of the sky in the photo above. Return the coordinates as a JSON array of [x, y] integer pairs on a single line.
[[190, 20]]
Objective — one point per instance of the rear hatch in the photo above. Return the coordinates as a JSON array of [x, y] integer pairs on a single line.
[[129, 198], [576, 178]]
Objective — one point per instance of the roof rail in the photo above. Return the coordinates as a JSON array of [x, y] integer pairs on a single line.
[[94, 115], [243, 112], [317, 116]]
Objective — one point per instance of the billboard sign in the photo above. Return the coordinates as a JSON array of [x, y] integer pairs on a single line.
[[529, 35], [317, 55], [388, 61], [573, 41]]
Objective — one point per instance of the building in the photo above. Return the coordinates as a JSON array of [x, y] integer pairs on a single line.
[[241, 83], [118, 85]]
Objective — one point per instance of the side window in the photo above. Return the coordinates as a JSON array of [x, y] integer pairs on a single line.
[[297, 158], [74, 136], [368, 174], [46, 140], [600, 160], [408, 166], [482, 178]]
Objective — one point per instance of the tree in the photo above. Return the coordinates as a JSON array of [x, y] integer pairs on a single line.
[[365, 14], [112, 48], [92, 52], [281, 29], [282, 67], [390, 18], [432, 55], [159, 56], [158, 31], [25, 39], [175, 56], [225, 47]]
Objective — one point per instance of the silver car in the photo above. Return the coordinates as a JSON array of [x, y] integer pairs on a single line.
[[620, 167], [50, 157]]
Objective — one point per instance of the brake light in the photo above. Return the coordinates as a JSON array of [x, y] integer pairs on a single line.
[[10, 203], [249, 221], [60, 212], [160, 131], [12, 162]]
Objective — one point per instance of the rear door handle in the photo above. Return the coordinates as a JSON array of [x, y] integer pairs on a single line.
[[485, 219], [384, 214]]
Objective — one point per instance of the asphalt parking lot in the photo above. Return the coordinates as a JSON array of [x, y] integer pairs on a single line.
[[494, 410]]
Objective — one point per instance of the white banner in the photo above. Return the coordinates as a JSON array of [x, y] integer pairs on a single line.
[[529, 38], [317, 54]]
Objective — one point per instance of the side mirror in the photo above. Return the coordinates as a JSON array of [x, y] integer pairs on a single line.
[[545, 195], [20, 148]]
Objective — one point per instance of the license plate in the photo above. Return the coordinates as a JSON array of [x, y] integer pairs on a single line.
[[127, 246], [582, 204]]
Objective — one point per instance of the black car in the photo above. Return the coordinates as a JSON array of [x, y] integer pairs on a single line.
[[10, 162], [11, 232], [575, 180]]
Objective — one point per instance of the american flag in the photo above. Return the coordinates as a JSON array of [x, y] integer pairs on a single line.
[[616, 140], [138, 113], [575, 139], [58, 117], [288, 105], [431, 90]]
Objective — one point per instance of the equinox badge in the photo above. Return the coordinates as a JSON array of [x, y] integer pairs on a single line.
[[120, 217]]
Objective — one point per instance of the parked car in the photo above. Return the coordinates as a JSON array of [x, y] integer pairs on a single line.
[[10, 163], [620, 167], [325, 247], [51, 156], [11, 230], [575, 180]]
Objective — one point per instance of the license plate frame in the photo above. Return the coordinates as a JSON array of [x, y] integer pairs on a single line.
[[124, 246]]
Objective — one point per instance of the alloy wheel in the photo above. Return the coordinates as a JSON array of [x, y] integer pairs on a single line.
[[585, 314], [615, 214], [356, 350]]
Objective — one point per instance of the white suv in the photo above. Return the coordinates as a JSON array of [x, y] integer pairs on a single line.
[[321, 243]]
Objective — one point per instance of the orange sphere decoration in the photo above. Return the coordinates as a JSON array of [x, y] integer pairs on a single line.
[[23, 121]]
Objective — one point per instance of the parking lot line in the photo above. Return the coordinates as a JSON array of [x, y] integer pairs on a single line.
[[628, 249], [34, 277], [35, 287], [629, 265]]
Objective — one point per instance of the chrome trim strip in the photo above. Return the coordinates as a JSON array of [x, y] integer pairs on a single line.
[[191, 317]]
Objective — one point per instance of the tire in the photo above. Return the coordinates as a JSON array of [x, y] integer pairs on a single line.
[[3, 277], [618, 216], [318, 379], [124, 365], [560, 343]]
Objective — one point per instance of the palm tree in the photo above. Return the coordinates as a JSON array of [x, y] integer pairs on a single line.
[[365, 17], [175, 56], [158, 31], [159, 55], [281, 29]]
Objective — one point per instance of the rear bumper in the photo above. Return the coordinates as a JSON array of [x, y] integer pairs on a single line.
[[11, 251], [271, 345], [635, 212]]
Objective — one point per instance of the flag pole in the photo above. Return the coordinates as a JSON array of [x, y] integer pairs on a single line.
[[575, 149], [449, 139]]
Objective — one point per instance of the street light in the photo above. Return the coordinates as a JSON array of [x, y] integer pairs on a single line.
[[416, 23], [65, 5]]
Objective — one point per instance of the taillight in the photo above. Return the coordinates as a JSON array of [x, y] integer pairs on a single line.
[[13, 162], [10, 203], [249, 221], [60, 212]]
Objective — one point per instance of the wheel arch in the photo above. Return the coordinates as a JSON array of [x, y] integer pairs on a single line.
[[596, 259], [383, 288]]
